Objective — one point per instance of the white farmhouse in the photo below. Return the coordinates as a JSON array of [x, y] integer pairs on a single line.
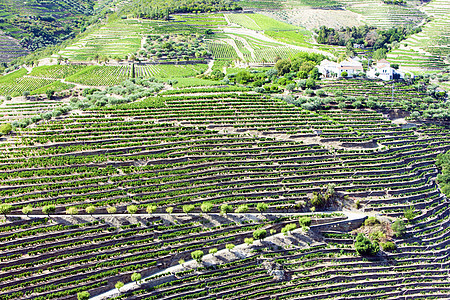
[[384, 71], [331, 69]]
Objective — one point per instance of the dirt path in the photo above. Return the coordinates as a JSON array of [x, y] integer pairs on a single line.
[[260, 36]]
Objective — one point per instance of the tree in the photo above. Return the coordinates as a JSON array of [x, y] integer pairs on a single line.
[[288, 228], [26, 94], [226, 208], [273, 231], [314, 74], [169, 210], [364, 246], [304, 221], [197, 255], [409, 213], [283, 66], [90, 209], [213, 251], [151, 209], [136, 277], [119, 285], [206, 207], [5, 208], [132, 209], [262, 207], [5, 128], [259, 234], [229, 247], [388, 246], [27, 209], [344, 74], [248, 241], [111, 210], [83, 295], [181, 262], [50, 94], [243, 77], [290, 87], [399, 228], [72, 210], [48, 209], [310, 83], [241, 209], [188, 208]]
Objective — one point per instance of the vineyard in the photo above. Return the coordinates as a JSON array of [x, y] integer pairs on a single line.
[[175, 156], [129, 192]]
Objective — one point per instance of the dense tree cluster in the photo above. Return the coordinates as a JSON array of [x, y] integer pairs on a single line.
[[364, 35], [365, 246], [174, 47], [157, 9]]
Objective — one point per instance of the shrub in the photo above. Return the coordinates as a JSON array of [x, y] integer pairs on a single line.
[[399, 228], [197, 255], [288, 228], [151, 209], [226, 208], [111, 210], [90, 209], [72, 210], [248, 241], [229, 246], [119, 284], [364, 246], [136, 277], [132, 209], [344, 74], [241, 208], [5, 208], [388, 246], [5, 128], [370, 221], [188, 208], [304, 221], [206, 206], [83, 295], [259, 234]]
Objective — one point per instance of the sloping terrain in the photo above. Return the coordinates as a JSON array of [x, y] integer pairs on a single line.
[[158, 160]]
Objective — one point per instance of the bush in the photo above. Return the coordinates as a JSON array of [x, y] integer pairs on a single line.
[[259, 234], [197, 255], [226, 208], [132, 209], [288, 228], [206, 206], [388, 246], [83, 295], [304, 221], [5, 128], [188, 208], [136, 277], [399, 228], [370, 221], [364, 246], [344, 74]]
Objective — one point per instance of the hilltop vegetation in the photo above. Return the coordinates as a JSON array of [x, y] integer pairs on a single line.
[[161, 9]]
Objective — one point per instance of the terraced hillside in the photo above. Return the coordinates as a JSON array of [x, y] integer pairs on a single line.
[[106, 192], [10, 48], [428, 49], [36, 24]]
